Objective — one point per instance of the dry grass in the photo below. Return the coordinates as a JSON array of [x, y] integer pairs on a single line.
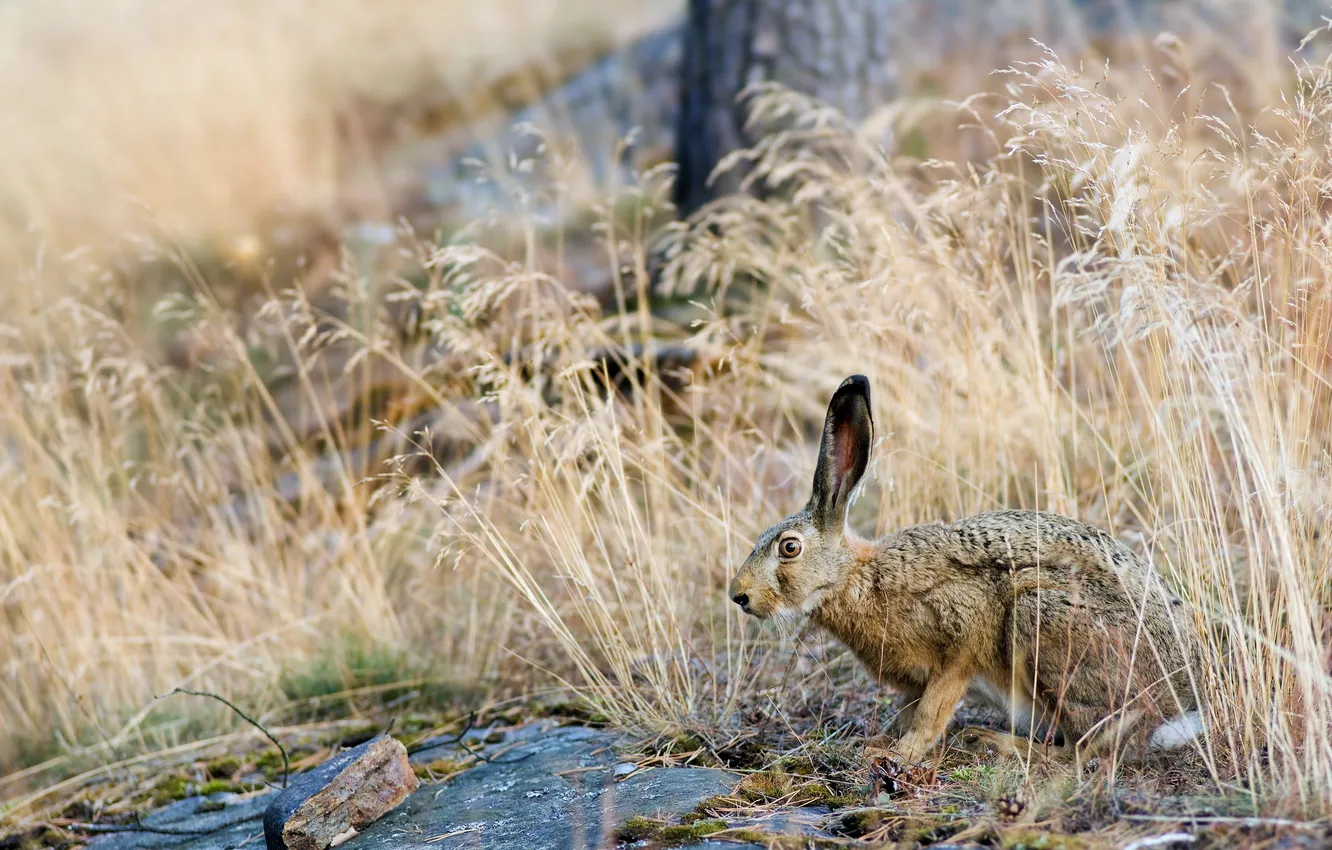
[[1123, 315]]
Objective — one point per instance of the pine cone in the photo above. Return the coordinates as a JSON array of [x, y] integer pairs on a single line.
[[886, 777], [1010, 807]]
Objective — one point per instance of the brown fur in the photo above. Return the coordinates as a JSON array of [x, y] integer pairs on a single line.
[[1050, 617]]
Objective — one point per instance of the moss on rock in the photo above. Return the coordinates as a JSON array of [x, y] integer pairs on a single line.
[[171, 788], [221, 786], [660, 834], [674, 835], [637, 829]]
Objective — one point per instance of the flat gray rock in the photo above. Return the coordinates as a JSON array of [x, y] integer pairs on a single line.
[[560, 795], [183, 825], [548, 789]]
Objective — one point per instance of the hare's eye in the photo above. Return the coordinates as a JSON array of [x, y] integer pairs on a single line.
[[789, 548]]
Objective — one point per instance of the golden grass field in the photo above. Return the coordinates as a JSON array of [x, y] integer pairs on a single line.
[[1116, 307]]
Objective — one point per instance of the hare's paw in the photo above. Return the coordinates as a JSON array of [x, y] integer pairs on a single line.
[[883, 748], [979, 739], [912, 748]]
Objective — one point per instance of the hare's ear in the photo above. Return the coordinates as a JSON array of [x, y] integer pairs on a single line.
[[844, 453]]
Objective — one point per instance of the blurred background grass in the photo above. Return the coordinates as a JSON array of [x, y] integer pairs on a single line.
[[206, 120]]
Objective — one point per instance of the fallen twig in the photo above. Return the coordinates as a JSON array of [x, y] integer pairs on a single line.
[[286, 761], [140, 826], [458, 741]]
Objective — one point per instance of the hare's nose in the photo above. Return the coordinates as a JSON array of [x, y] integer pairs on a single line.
[[741, 599]]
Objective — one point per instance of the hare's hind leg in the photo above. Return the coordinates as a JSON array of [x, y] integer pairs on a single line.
[[1009, 692], [1029, 731], [1085, 734], [1123, 731], [1078, 676], [1012, 745]]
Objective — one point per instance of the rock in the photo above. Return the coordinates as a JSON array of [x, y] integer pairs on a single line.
[[195, 823], [628, 94], [546, 790], [348, 792]]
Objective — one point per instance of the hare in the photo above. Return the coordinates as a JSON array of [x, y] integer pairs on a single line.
[[1045, 617]]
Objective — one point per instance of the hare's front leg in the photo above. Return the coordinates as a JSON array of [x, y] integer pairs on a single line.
[[933, 711]]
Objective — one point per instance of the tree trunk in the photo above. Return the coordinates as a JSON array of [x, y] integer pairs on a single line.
[[834, 50]]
